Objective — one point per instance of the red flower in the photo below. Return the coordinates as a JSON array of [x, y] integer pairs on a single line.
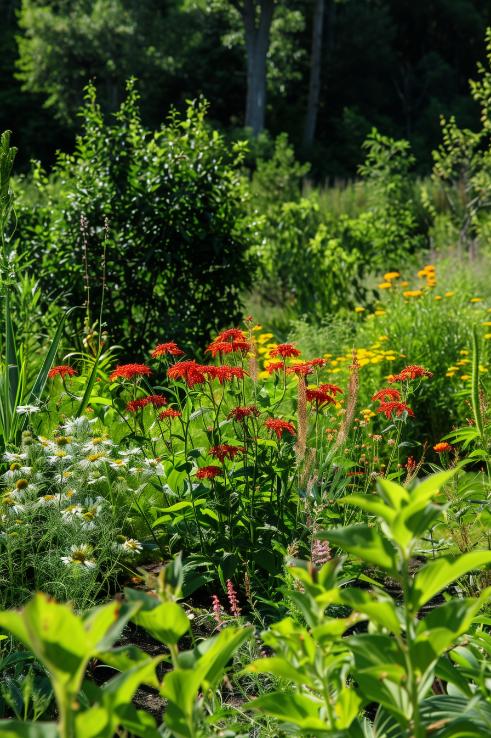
[[234, 334], [128, 371], [275, 366], [389, 408], [209, 472], [441, 447], [189, 371], [387, 393], [169, 413], [163, 349], [278, 426], [227, 347], [411, 372], [317, 362], [224, 451], [240, 413], [318, 396], [332, 389], [284, 350], [155, 400], [301, 370], [224, 373], [63, 370]]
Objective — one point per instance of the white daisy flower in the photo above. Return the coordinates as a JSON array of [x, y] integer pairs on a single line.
[[80, 556], [10, 457], [27, 409], [71, 512]]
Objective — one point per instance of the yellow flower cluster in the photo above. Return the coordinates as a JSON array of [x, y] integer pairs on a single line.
[[458, 366]]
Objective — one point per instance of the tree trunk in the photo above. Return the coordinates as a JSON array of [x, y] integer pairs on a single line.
[[257, 32], [315, 74]]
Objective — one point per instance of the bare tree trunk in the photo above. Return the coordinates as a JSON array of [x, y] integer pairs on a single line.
[[257, 28], [315, 74]]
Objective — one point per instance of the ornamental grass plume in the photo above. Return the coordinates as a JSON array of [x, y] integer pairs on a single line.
[[352, 398], [233, 599], [301, 442]]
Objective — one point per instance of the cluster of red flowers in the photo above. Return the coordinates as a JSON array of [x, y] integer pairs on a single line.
[[166, 349], [301, 370], [275, 366], [155, 400], [129, 371], [169, 413], [387, 393], [209, 472], [284, 350], [319, 397], [411, 372], [224, 451], [278, 426], [246, 411], [228, 342], [389, 408], [63, 370], [193, 373]]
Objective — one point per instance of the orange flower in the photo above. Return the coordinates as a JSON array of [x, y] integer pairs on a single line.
[[278, 426], [63, 370], [285, 350], [129, 371], [389, 408], [441, 447]]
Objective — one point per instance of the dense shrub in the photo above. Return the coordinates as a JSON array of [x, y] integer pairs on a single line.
[[164, 231]]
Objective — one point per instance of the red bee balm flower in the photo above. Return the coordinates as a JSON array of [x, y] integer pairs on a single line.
[[164, 349], [278, 426], [224, 373], [169, 413], [63, 370], [319, 397], [332, 389], [129, 371], [301, 370], [387, 393], [275, 366], [411, 372], [234, 334], [285, 350], [389, 408], [441, 447], [227, 347], [224, 451], [209, 472], [155, 400], [189, 371], [240, 413]]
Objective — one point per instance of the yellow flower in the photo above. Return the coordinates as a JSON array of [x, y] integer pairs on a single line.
[[412, 293], [385, 285], [437, 297], [256, 327], [465, 376], [359, 309], [404, 284], [263, 337], [450, 374], [449, 294], [422, 273], [379, 313], [386, 338], [487, 336], [486, 322], [464, 352], [391, 275], [475, 299]]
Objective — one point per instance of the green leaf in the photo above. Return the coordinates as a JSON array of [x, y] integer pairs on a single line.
[[364, 542], [125, 657], [297, 709], [438, 574], [166, 623], [377, 606], [394, 493], [18, 729], [281, 668], [370, 504]]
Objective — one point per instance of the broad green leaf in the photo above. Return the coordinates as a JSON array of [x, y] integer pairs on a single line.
[[126, 657], [166, 623], [347, 706], [430, 486], [281, 668], [209, 659], [438, 574], [18, 729], [378, 607], [297, 709], [394, 493], [364, 542], [370, 504], [180, 688]]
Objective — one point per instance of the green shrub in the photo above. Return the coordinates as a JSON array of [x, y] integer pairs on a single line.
[[155, 221]]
